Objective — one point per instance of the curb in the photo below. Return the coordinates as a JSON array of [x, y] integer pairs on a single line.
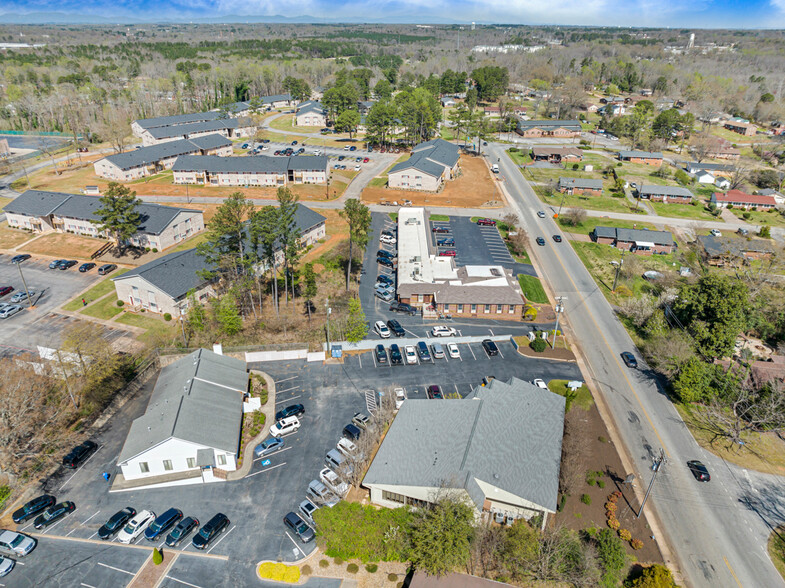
[[295, 563], [247, 464]]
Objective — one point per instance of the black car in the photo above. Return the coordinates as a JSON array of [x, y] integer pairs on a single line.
[[293, 143], [162, 523], [106, 268], [116, 522], [383, 253], [490, 347], [385, 262], [381, 354], [352, 432], [66, 264], [383, 279], [395, 355], [440, 229], [6, 290], [557, 238], [54, 514], [79, 454], [422, 351], [396, 328], [540, 241], [402, 307], [434, 392], [448, 242], [296, 524], [181, 531], [629, 359], [214, 527], [699, 470], [20, 258], [86, 267], [293, 410], [33, 507]]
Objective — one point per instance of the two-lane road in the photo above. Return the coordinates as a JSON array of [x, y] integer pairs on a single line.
[[717, 539]]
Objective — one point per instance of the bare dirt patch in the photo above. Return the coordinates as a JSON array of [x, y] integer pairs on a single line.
[[476, 187], [64, 245]]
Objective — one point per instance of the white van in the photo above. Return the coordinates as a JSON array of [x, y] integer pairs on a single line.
[[495, 168]]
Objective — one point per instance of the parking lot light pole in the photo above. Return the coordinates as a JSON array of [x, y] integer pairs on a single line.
[[24, 283]]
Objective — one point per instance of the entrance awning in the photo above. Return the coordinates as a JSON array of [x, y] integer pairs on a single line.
[[644, 244], [205, 458]]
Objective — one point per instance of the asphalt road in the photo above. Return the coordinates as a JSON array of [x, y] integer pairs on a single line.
[[717, 530]]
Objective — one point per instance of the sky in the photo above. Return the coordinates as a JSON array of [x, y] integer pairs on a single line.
[[652, 13]]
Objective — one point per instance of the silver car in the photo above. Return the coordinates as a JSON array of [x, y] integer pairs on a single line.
[[9, 311], [15, 544], [21, 296], [319, 493], [307, 508], [6, 565]]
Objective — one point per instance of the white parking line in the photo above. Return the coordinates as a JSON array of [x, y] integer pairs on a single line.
[[28, 526], [276, 453], [176, 580], [82, 584], [472, 350], [93, 535], [500, 351], [297, 547], [80, 467], [286, 380], [221, 539], [116, 569], [91, 516], [373, 356], [45, 531], [286, 399], [456, 389], [287, 390], [410, 332], [360, 357], [265, 470]]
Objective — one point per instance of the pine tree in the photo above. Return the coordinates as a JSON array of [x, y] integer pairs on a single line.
[[118, 213], [359, 218], [357, 326]]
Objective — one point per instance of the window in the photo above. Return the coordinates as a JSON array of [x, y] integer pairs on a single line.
[[393, 497], [487, 308], [168, 465], [474, 308], [191, 461], [498, 308], [512, 308], [143, 467], [221, 459], [460, 308]]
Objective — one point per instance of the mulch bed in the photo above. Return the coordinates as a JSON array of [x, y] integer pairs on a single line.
[[558, 353]]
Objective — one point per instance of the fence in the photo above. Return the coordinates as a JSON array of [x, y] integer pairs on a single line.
[[38, 133]]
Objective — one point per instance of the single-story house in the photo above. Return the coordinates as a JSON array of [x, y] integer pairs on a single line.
[[310, 114], [448, 101], [192, 423], [43, 212], [430, 164], [657, 193], [640, 241], [778, 198], [722, 183], [364, 106], [499, 449], [163, 285], [492, 111], [740, 199], [580, 186], [704, 177], [557, 154], [716, 169], [742, 128], [141, 125], [759, 372], [612, 110], [150, 160], [719, 250], [641, 157], [250, 171], [532, 129], [228, 127]]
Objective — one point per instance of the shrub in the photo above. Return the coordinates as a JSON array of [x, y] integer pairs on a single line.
[[155, 250], [602, 439], [513, 150], [392, 577], [585, 499], [279, 572], [611, 506], [625, 535], [306, 570], [765, 232], [601, 483], [323, 563], [371, 568], [352, 568], [613, 559], [575, 166], [120, 303], [337, 561], [655, 576], [158, 557], [562, 500], [167, 317], [636, 544], [614, 524], [623, 290], [616, 495], [729, 206], [539, 345], [746, 215]]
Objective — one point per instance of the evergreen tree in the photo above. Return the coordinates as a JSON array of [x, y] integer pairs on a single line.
[[358, 216], [356, 324], [225, 245], [118, 213]]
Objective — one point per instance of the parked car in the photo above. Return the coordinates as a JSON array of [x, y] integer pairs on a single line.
[[454, 351], [629, 359], [411, 354], [269, 446], [15, 544], [381, 354], [86, 267], [715, 233], [211, 529], [9, 311], [388, 239], [385, 262], [320, 494], [540, 383], [285, 426], [163, 523], [346, 446], [557, 238], [136, 526], [20, 258], [448, 253], [53, 514], [396, 327], [67, 264], [352, 148], [434, 392], [541, 213], [116, 522], [184, 528], [352, 432], [540, 241], [437, 351], [395, 355], [361, 420], [381, 329], [490, 347], [294, 142], [79, 454], [22, 295], [446, 242], [385, 253], [307, 508], [400, 398], [699, 470], [299, 527], [32, 507], [440, 229], [333, 481], [6, 565], [486, 222], [292, 410], [385, 295], [366, 160], [403, 307], [422, 351], [54, 264], [106, 268], [442, 331]]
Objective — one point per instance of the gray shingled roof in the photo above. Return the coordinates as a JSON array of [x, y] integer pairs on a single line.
[[177, 119], [276, 98], [449, 294], [197, 127], [587, 183], [201, 388], [430, 157], [310, 106], [710, 166], [506, 435], [155, 153], [633, 235], [640, 154], [256, 164], [732, 246], [176, 274], [154, 217], [657, 190], [552, 123]]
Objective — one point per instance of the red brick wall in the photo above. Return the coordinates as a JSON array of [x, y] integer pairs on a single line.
[[586, 192], [642, 161], [505, 315], [605, 240]]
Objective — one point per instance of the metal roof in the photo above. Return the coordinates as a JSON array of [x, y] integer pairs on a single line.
[[177, 119], [155, 153]]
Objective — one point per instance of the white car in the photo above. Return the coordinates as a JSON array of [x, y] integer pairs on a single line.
[[333, 481], [361, 420], [136, 526], [381, 329], [357, 168], [15, 544], [400, 397], [285, 426], [442, 331], [437, 351], [6, 565], [540, 383], [541, 213], [715, 233], [411, 354], [10, 310], [454, 351], [346, 447], [388, 239]]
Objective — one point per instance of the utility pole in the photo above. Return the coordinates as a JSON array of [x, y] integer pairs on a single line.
[[559, 309], [618, 269], [24, 283], [655, 468], [327, 305]]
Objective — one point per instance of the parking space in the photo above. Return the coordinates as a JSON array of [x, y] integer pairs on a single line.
[[473, 244]]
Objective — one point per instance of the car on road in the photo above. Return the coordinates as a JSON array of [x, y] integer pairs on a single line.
[[333, 481], [629, 359], [396, 328], [15, 544], [361, 420], [448, 253], [381, 329], [440, 229], [385, 262], [540, 241], [307, 508], [211, 529], [67, 264], [402, 307], [486, 222], [490, 347], [268, 447], [136, 526], [381, 354], [22, 296], [106, 268], [9, 311], [79, 454], [400, 398], [184, 528], [285, 426], [116, 522], [715, 233], [319, 493], [6, 290], [541, 213], [411, 354], [53, 514], [442, 331], [299, 527], [32, 507], [422, 351], [699, 470], [395, 355], [540, 383], [446, 242], [292, 410], [20, 258], [557, 238], [352, 432], [453, 351], [434, 393], [54, 264], [86, 267], [6, 565], [163, 523], [437, 351]]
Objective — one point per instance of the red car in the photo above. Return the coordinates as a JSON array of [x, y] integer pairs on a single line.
[[440, 229], [447, 253], [6, 290], [366, 160], [486, 222]]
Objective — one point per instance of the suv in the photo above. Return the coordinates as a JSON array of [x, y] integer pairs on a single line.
[[32, 508], [15, 544], [116, 522], [161, 524], [285, 426], [307, 508], [298, 526], [381, 354], [360, 420], [486, 222], [106, 268], [395, 326], [385, 262], [441, 331], [422, 351], [490, 347], [403, 307], [214, 527], [352, 432], [319, 493], [79, 454], [384, 253], [135, 526], [395, 355], [289, 411], [181, 531], [381, 329], [333, 481]]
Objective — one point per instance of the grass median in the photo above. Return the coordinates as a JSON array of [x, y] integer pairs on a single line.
[[532, 289], [102, 288]]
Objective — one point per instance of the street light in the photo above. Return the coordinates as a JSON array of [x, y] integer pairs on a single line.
[[27, 291]]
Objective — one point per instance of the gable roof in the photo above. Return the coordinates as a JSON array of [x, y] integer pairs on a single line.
[[547, 123], [640, 154], [561, 151], [430, 157], [199, 388], [154, 153], [276, 98], [256, 164], [36, 203], [665, 190], [310, 106], [709, 166], [733, 196], [634, 235], [507, 435], [177, 119], [732, 246], [197, 127], [588, 183], [176, 274]]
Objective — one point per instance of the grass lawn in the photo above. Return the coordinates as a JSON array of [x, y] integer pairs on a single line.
[[776, 547], [102, 288], [4, 201], [698, 212], [309, 141], [190, 243], [381, 180], [393, 216], [12, 237], [581, 398], [105, 308], [439, 217], [286, 123], [587, 226], [736, 138], [532, 289], [447, 133], [607, 203], [520, 157], [156, 326], [758, 217]]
